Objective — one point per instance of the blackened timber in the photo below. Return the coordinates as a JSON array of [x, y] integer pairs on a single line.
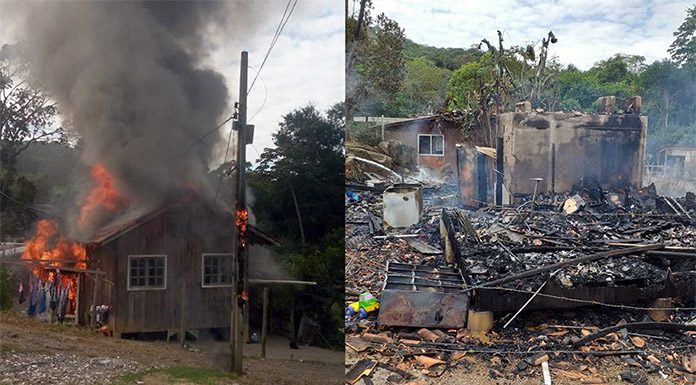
[[633, 326], [574, 261]]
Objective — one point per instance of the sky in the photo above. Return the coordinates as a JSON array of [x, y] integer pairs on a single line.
[[305, 65], [587, 30]]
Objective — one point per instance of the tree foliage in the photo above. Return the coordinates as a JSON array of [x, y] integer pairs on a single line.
[[26, 112], [424, 88], [445, 58], [306, 167], [375, 69], [306, 162], [26, 116], [683, 49]]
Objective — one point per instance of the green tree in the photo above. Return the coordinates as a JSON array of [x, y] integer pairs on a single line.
[[683, 49], [575, 90], [298, 190], [305, 166], [424, 88], [467, 84], [26, 116], [375, 64], [26, 112]]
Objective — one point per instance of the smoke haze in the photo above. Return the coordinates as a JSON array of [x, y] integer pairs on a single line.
[[129, 76]]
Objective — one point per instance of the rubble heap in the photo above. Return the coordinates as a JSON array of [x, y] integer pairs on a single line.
[[609, 306]]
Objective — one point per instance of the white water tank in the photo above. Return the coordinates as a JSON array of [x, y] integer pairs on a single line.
[[403, 205]]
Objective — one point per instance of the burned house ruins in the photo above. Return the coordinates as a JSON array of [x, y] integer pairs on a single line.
[[581, 261]]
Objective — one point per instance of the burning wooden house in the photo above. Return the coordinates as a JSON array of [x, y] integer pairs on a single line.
[[146, 268], [155, 265]]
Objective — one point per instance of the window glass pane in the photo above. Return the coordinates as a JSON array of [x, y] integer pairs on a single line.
[[147, 272], [217, 269], [424, 144], [438, 145]]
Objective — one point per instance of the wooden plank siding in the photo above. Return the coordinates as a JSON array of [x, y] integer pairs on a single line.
[[182, 233]]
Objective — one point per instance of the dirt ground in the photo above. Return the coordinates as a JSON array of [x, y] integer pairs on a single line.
[[23, 337]]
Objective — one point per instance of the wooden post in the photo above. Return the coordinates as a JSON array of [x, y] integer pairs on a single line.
[[264, 323], [239, 249], [182, 316]]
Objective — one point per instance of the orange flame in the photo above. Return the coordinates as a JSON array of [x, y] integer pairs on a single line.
[[241, 220], [103, 195], [50, 249]]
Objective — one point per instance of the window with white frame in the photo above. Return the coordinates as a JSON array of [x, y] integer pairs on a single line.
[[147, 272], [217, 270], [431, 145]]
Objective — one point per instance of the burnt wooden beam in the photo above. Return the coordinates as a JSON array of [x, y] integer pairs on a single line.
[[574, 261], [633, 326]]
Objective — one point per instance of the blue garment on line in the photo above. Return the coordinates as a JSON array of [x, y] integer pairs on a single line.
[[42, 300], [32, 299]]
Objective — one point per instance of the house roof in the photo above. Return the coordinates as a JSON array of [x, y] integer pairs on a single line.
[[445, 117], [133, 220], [408, 122]]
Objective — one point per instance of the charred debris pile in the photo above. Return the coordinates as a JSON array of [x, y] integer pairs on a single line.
[[563, 283]]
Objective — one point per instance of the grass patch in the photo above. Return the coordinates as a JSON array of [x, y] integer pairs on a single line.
[[198, 375], [131, 378], [189, 375]]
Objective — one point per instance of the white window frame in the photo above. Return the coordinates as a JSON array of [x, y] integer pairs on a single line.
[[431, 144], [141, 288], [209, 285]]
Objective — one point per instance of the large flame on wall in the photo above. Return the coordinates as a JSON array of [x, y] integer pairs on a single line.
[[49, 248], [103, 196]]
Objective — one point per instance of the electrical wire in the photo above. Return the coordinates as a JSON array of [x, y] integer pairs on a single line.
[[227, 151], [200, 140], [281, 25], [265, 97]]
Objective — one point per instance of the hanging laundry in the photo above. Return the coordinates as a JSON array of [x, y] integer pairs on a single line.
[[42, 300], [53, 304], [33, 297], [63, 302], [21, 293]]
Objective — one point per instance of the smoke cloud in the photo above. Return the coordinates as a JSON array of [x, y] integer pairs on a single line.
[[130, 77]]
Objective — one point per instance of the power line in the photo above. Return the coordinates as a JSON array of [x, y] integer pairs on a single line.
[[227, 151], [283, 21], [200, 140], [265, 97]]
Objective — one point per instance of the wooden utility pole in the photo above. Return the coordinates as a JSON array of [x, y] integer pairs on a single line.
[[239, 246]]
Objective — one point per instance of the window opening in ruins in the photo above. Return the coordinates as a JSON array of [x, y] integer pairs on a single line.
[[431, 145]]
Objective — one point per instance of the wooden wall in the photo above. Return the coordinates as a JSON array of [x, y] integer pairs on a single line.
[[182, 233]]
